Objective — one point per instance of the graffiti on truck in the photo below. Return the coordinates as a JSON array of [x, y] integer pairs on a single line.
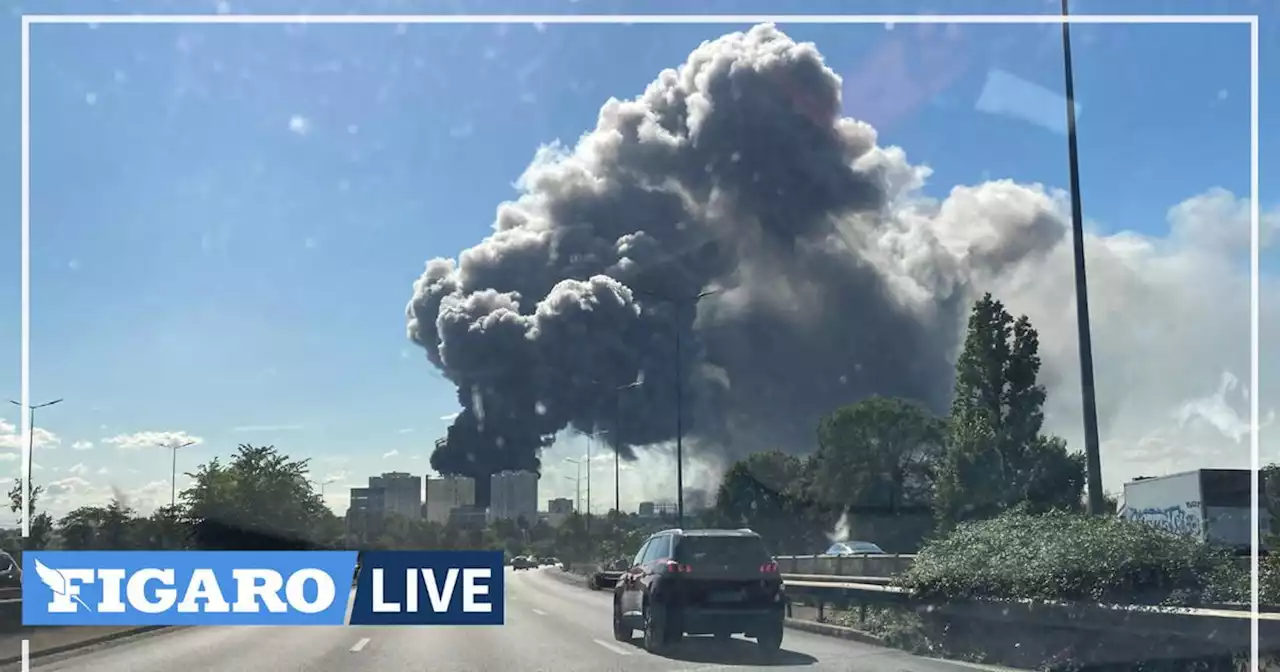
[[1180, 519]]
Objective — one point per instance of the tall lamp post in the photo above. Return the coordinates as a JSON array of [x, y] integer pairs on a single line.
[[617, 440], [1088, 399], [174, 447], [322, 484], [27, 504], [577, 483], [617, 434], [680, 302]]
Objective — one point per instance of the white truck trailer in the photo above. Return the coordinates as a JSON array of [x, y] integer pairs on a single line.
[[1211, 505]]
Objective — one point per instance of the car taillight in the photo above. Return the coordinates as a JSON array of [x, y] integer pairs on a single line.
[[769, 568], [674, 567]]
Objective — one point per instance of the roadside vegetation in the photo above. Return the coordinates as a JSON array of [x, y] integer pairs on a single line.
[[992, 504]]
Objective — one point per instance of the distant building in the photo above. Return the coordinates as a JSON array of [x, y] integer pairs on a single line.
[[647, 510], [396, 493], [468, 517], [366, 512], [512, 495], [402, 493], [446, 494], [560, 505]]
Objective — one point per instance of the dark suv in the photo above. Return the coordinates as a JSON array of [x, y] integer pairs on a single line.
[[701, 582]]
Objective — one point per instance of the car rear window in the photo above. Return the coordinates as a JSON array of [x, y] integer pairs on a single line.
[[722, 550]]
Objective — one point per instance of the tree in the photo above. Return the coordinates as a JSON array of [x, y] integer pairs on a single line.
[[877, 461], [164, 530], [41, 523], [995, 455], [260, 500], [766, 491], [118, 529]]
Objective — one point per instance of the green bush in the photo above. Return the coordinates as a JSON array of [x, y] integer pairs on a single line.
[[1268, 580], [1073, 557]]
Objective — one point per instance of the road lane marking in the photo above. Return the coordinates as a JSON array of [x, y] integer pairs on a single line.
[[539, 612], [612, 647], [360, 645]]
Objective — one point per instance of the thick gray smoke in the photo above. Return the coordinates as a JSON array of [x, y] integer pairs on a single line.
[[734, 173]]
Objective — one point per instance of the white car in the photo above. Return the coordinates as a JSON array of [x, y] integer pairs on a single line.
[[854, 548]]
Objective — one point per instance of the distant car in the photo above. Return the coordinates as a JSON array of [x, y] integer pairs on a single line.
[[854, 548], [521, 562], [10, 572], [701, 582]]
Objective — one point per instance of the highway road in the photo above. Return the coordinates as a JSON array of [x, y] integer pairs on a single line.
[[550, 625]]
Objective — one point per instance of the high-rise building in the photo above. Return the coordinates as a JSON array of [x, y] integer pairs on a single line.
[[366, 512], [647, 510], [402, 493], [512, 495], [560, 505], [446, 494]]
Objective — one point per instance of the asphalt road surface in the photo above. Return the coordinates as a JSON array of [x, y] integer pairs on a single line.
[[550, 625]]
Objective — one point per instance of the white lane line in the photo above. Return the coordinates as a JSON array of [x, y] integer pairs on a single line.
[[360, 645], [539, 612], [612, 647]]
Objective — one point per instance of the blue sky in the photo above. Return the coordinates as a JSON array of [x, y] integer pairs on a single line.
[[227, 220]]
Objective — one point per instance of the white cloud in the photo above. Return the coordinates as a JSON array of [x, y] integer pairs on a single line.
[[66, 494], [390, 453], [139, 440], [450, 417], [299, 124], [82, 445], [11, 437], [79, 469], [406, 430]]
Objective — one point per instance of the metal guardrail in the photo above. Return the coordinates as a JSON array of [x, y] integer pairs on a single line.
[[888, 565], [1114, 632]]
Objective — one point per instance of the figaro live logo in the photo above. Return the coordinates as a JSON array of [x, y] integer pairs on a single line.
[[262, 588]]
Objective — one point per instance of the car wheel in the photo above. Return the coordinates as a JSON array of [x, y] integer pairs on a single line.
[[770, 640], [621, 631], [654, 629]]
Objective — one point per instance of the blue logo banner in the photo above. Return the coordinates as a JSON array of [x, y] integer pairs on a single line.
[[186, 587], [429, 588]]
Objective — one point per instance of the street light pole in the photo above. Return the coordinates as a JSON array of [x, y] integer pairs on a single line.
[[617, 435], [173, 470], [590, 440], [577, 483], [617, 440], [322, 484], [679, 303], [27, 505], [1088, 398]]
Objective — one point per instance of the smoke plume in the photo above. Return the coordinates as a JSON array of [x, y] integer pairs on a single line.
[[832, 278]]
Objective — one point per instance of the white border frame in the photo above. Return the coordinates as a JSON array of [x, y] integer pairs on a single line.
[[29, 20]]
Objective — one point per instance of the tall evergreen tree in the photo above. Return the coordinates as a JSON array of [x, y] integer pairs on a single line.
[[996, 456]]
